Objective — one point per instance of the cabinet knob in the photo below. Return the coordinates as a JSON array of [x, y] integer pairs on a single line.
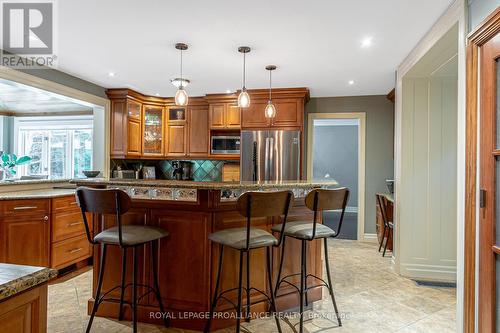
[[45, 218]]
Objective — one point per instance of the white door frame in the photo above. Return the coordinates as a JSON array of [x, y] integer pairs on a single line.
[[361, 116]]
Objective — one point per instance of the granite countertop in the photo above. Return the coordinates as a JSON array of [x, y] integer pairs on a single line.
[[201, 185], [45, 193], [15, 279], [32, 181]]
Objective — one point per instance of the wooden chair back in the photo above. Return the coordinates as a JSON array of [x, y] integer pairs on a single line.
[[103, 202]]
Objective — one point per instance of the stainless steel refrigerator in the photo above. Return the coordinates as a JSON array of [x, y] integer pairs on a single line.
[[270, 155]]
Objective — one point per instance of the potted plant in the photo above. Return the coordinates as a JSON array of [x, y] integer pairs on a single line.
[[9, 162]]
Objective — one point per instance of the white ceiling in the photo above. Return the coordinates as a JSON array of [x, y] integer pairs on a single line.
[[17, 98], [315, 44]]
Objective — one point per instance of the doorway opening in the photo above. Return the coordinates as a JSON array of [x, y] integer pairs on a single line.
[[336, 151]]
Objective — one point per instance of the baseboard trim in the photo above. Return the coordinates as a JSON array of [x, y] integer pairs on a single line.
[[429, 272], [372, 238]]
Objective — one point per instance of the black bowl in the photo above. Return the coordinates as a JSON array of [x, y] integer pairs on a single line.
[[91, 174]]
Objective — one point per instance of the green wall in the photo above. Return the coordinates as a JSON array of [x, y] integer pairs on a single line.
[[379, 141]]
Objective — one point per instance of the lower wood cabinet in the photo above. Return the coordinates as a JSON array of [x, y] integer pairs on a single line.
[[43, 232], [26, 240], [26, 312]]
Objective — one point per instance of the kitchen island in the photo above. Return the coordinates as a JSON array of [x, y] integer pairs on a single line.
[[187, 260]]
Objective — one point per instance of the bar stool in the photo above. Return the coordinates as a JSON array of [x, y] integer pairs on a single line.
[[117, 202], [317, 200], [388, 225], [250, 205]]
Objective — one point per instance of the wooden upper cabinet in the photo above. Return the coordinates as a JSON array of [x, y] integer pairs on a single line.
[[289, 113], [224, 115], [253, 116], [176, 140], [233, 115], [126, 128], [217, 115], [153, 131], [198, 131], [134, 129]]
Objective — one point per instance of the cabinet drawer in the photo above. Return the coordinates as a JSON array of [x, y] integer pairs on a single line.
[[69, 251], [65, 204], [25, 207], [68, 225]]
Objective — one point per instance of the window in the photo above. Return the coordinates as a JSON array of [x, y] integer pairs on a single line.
[[61, 148]]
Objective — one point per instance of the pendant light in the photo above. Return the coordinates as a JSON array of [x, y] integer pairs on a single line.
[[244, 98], [181, 96], [270, 111]]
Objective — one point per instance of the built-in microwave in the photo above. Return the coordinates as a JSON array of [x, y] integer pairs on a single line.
[[225, 145]]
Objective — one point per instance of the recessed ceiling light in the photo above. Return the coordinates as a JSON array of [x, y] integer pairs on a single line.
[[111, 74], [366, 42], [157, 94], [228, 91], [351, 82]]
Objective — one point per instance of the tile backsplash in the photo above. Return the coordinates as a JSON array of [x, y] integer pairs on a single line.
[[203, 170]]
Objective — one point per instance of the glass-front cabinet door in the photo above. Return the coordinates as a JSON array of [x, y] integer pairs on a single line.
[[489, 224], [153, 131]]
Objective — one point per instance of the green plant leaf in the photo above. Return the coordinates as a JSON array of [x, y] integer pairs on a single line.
[[13, 171], [5, 158], [14, 158], [23, 160]]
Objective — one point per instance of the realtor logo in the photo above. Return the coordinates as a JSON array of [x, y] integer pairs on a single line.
[[28, 34]]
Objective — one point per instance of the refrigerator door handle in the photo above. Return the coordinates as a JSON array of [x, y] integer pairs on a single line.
[[266, 161], [270, 175]]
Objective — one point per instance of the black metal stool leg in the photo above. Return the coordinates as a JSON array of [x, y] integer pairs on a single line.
[[302, 285], [214, 299], [247, 313], [99, 286], [271, 291], [134, 291], [281, 266], [166, 320], [124, 272], [305, 274], [238, 308], [382, 240], [387, 241], [330, 288]]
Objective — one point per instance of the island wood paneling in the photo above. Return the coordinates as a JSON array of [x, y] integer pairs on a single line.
[[187, 260]]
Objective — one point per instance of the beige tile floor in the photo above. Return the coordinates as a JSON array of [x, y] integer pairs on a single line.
[[369, 295]]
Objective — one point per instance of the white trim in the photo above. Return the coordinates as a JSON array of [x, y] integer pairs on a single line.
[[372, 238], [101, 111], [438, 273], [361, 116], [455, 13]]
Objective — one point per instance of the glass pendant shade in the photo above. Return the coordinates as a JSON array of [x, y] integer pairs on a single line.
[[244, 99], [270, 110], [181, 97]]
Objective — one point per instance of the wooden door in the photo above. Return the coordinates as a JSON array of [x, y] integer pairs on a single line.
[[198, 132], [253, 116], [176, 142], [233, 116], [152, 134], [26, 240], [489, 231], [134, 129], [217, 115]]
